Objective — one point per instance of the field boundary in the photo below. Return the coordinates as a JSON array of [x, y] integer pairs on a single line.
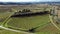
[[3, 26], [53, 22], [6, 20], [15, 30]]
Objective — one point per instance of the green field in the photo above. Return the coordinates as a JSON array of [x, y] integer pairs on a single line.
[[3, 31], [3, 16], [28, 22], [25, 23], [48, 29]]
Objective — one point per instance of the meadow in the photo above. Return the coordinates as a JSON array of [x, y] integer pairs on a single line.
[[28, 22], [40, 22]]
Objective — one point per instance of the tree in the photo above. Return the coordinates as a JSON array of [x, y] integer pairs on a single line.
[[25, 10]]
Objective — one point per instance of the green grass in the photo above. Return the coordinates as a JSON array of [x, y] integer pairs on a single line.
[[3, 31], [28, 22], [48, 29], [3, 16]]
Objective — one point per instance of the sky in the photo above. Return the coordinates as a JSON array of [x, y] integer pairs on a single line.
[[26, 0]]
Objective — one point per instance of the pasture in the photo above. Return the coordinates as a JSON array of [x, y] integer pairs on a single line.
[[41, 23], [28, 22]]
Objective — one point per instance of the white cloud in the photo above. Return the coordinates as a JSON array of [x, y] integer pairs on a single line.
[[17, 0], [26, 0]]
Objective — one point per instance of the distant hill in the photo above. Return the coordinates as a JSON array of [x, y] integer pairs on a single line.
[[26, 3]]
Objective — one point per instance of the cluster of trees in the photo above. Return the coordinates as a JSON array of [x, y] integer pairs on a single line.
[[25, 10]]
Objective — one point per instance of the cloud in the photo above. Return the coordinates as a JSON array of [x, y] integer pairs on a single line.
[[26, 0], [18, 0]]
